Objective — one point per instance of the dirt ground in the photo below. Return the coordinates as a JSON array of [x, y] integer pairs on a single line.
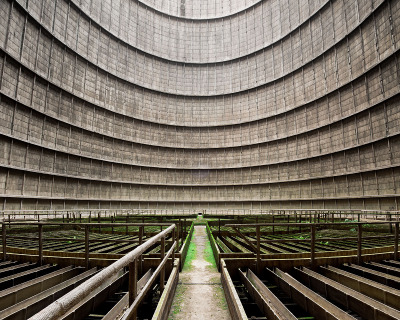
[[199, 294]]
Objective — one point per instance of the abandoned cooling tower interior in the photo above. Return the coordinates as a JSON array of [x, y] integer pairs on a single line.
[[199, 159]]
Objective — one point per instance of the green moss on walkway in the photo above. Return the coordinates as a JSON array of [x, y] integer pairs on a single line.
[[191, 255], [199, 294]]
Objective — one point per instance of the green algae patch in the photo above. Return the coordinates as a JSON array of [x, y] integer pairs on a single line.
[[209, 255], [200, 221], [190, 256]]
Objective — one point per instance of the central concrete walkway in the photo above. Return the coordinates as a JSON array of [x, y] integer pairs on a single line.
[[199, 294]]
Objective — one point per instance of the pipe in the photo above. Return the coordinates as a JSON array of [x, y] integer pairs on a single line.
[[59, 307]]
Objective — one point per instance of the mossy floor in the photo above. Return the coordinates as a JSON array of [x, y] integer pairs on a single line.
[[199, 294]]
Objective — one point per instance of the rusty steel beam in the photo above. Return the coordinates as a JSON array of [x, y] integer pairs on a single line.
[[31, 305], [384, 268], [6, 264], [15, 269], [310, 301], [165, 302], [377, 276], [150, 224], [245, 239], [92, 301], [235, 244], [312, 247], [162, 272], [327, 239], [396, 241], [235, 306], [40, 258], [133, 274], [266, 301], [87, 247], [27, 289], [258, 251], [373, 289], [393, 263], [22, 276], [348, 298], [62, 305], [99, 240], [359, 244], [4, 241], [134, 306], [296, 224], [117, 311]]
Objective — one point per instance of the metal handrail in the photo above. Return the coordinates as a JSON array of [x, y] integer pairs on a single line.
[[130, 312], [228, 211], [59, 307], [298, 224], [106, 212], [256, 244]]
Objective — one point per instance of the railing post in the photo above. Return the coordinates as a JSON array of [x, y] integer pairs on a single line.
[[396, 241], [273, 226], [3, 229], [179, 231], [359, 242], [312, 247], [133, 277], [258, 267], [141, 235], [300, 222], [86, 247], [174, 239], [141, 232], [162, 274], [288, 221], [40, 244]]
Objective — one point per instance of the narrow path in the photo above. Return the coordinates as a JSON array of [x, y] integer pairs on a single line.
[[199, 294]]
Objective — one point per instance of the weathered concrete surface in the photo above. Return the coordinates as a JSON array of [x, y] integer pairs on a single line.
[[199, 294]]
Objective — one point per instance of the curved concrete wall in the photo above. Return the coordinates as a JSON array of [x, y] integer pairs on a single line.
[[168, 104]]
